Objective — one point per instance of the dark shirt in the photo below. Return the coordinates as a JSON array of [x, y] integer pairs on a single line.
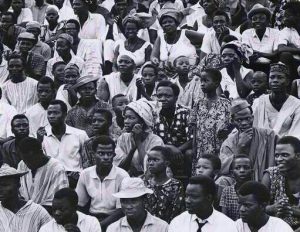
[[10, 153]]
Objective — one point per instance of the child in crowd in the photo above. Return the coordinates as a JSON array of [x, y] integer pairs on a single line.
[[167, 201], [259, 84], [58, 71], [242, 172], [119, 102]]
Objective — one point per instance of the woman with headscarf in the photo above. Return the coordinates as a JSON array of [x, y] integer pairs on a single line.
[[133, 145], [235, 77]]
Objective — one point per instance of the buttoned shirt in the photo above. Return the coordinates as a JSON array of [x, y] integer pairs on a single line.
[[90, 186], [216, 222], [85, 223], [151, 224], [39, 12], [210, 42], [68, 149], [268, 44]]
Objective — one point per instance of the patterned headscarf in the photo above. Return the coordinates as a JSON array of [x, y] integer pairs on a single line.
[[280, 67], [244, 50], [66, 37], [132, 18], [131, 55], [170, 12]]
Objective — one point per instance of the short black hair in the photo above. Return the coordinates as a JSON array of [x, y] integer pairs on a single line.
[[291, 140], [103, 140], [18, 116], [167, 83], [238, 156], [214, 73], [208, 185], [221, 13], [260, 191], [117, 96], [46, 80], [150, 65], [75, 22], [30, 144], [56, 64], [63, 105], [229, 38], [107, 114], [176, 59], [69, 194], [214, 159], [15, 55], [164, 151]]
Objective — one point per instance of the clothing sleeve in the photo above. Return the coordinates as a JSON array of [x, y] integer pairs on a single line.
[[121, 151], [94, 225], [174, 226], [101, 28], [226, 155], [295, 127], [283, 37], [276, 40], [245, 38], [223, 198], [113, 227], [206, 47], [27, 15], [44, 216], [83, 196], [93, 58]]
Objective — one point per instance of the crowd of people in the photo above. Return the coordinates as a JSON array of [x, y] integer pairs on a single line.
[[149, 115]]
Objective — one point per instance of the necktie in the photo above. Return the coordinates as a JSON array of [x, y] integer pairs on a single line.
[[200, 225]]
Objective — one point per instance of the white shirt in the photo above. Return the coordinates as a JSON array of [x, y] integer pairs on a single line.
[[210, 42], [90, 186], [3, 72], [290, 36], [7, 112], [216, 222], [37, 117], [25, 16], [68, 150], [85, 223], [274, 224]]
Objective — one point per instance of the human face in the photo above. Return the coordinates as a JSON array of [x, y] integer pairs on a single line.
[[6, 22], [15, 67], [196, 200], [126, 65], [168, 24], [133, 207], [99, 123], [250, 209], [131, 30], [289, 19], [62, 210], [243, 119], [79, 7], [219, 22], [165, 96], [228, 56], [71, 75], [26, 45], [58, 3], [259, 82], [278, 82], [209, 6], [208, 85], [183, 65], [121, 7], [149, 76], [17, 5], [259, 21], [104, 156], [156, 162], [34, 31], [55, 115], [20, 128], [59, 73], [62, 47], [205, 167], [52, 16], [8, 188], [87, 91], [285, 157], [131, 119], [72, 30], [45, 93], [119, 104], [242, 170]]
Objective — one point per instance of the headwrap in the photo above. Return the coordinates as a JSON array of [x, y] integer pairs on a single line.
[[128, 54], [148, 64], [132, 18], [238, 105], [144, 109], [33, 24], [244, 50], [280, 67], [72, 66], [52, 7], [66, 37], [27, 36], [170, 12]]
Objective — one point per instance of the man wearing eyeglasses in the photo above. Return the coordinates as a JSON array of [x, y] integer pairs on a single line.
[[257, 143], [96, 184]]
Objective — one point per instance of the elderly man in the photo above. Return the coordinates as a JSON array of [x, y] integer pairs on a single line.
[[66, 216], [44, 176], [132, 196], [278, 110], [257, 143], [64, 53], [16, 214]]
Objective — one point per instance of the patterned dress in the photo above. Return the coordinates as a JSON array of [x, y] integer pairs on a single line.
[[167, 201], [208, 122]]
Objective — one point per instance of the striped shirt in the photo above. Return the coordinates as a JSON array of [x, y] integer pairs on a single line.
[[47, 181], [21, 95], [30, 218]]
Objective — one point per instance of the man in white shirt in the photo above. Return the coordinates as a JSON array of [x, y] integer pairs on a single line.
[[200, 214], [66, 216], [253, 199]]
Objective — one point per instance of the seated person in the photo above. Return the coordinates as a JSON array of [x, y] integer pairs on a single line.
[[259, 85], [58, 70], [66, 217], [97, 183], [119, 102], [253, 198]]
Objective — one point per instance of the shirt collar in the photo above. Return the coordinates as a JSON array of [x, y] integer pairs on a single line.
[[49, 131], [210, 219], [267, 33], [111, 176], [148, 221]]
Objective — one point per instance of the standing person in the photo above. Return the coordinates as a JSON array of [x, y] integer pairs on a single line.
[[253, 198], [210, 117], [66, 217], [16, 214], [44, 175], [200, 215], [39, 11], [20, 91], [21, 14], [132, 195]]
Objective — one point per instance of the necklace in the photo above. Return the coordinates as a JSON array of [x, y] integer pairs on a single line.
[[171, 46]]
